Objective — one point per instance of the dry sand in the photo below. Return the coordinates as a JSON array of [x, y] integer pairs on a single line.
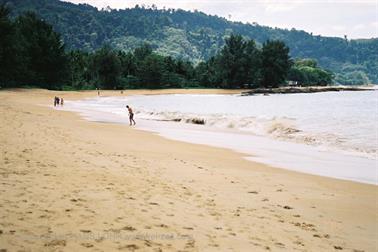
[[71, 185]]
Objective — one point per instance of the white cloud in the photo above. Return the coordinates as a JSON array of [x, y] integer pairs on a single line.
[[359, 27], [274, 6], [338, 27]]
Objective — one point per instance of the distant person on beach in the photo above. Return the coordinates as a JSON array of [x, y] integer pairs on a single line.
[[131, 115], [61, 101], [55, 101], [98, 91]]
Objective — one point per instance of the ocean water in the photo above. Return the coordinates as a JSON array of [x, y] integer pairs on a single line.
[[331, 134]]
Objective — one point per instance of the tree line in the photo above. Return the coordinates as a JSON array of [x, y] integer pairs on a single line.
[[196, 36], [32, 53]]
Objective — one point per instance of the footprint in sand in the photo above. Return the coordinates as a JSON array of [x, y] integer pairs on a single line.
[[188, 228], [131, 247], [190, 244], [279, 244], [128, 228], [55, 243], [87, 245], [299, 243], [305, 226], [99, 239]]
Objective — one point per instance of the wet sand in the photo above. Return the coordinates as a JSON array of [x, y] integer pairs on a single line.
[[67, 184]]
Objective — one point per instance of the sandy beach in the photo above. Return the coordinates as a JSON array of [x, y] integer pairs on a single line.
[[72, 185]]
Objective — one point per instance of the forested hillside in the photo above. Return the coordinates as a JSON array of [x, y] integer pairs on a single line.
[[195, 36]]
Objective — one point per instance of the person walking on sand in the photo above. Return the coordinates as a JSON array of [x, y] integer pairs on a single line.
[[131, 115], [61, 101]]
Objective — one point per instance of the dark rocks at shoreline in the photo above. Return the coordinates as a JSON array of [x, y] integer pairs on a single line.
[[295, 90]]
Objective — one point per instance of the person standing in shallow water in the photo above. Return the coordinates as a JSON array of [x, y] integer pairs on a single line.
[[131, 115]]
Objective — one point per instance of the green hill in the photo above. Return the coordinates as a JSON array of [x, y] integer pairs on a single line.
[[196, 36]]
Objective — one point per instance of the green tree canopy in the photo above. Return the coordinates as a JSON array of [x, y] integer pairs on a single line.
[[7, 47], [275, 63], [41, 52], [108, 68], [32, 53], [193, 36], [306, 72]]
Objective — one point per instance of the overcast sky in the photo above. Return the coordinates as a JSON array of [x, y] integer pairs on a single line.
[[354, 18]]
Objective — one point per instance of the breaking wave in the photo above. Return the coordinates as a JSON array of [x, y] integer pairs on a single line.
[[283, 128], [328, 128]]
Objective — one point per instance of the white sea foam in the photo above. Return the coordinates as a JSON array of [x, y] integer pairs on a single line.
[[283, 128]]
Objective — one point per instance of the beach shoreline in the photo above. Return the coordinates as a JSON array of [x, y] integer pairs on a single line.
[[65, 179], [295, 136]]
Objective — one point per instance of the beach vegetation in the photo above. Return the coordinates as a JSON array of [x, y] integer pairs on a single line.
[[306, 72], [195, 36], [32, 53]]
